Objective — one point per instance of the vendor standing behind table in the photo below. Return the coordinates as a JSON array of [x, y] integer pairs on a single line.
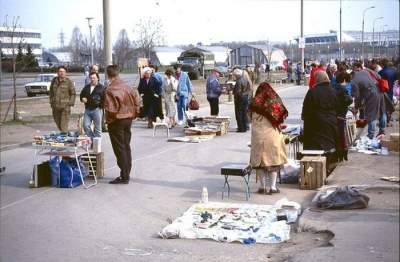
[[122, 105], [213, 90], [62, 98], [242, 92], [92, 95]]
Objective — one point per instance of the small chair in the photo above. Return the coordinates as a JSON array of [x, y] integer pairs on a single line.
[[160, 124], [242, 170]]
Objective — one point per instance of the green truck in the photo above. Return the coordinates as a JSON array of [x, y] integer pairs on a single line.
[[197, 62]]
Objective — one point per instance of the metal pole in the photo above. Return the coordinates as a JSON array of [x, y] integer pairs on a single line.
[[302, 49], [373, 35], [107, 32], [340, 32], [362, 34], [90, 40]]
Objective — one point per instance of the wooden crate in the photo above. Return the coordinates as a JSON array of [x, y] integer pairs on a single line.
[[97, 162], [312, 172]]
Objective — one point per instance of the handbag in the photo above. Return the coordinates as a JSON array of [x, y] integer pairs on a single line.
[[383, 85], [193, 104]]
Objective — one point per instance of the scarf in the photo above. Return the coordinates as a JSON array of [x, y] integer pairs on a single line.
[[267, 103]]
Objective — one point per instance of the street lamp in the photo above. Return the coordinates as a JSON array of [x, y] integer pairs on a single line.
[[90, 40], [373, 35], [362, 33], [385, 42]]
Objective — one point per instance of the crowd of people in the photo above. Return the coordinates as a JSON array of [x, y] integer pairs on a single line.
[[368, 92]]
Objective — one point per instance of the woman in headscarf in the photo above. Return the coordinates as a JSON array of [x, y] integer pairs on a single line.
[[268, 152], [320, 117], [150, 91]]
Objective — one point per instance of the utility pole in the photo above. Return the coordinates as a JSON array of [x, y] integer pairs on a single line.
[[107, 32], [340, 32], [362, 34], [90, 40], [62, 38], [303, 44], [373, 35]]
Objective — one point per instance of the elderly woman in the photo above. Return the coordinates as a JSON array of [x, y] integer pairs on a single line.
[[320, 116], [268, 152], [169, 88], [150, 91]]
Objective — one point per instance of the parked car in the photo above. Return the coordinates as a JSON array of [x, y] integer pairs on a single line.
[[41, 85]]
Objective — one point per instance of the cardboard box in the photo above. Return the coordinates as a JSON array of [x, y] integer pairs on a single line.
[[390, 145], [312, 172]]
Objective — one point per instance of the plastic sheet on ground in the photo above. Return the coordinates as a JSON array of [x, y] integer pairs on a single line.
[[191, 139], [367, 146], [345, 197], [228, 222]]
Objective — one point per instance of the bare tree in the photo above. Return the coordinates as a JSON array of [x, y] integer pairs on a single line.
[[99, 45], [149, 33], [123, 49], [15, 35], [77, 44]]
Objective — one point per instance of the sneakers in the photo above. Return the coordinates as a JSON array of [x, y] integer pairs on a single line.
[[119, 180], [180, 123]]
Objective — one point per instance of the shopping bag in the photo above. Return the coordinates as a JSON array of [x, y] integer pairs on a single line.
[[69, 173], [54, 165], [193, 104]]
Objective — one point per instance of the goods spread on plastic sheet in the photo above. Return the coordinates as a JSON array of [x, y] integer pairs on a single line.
[[369, 146], [231, 222]]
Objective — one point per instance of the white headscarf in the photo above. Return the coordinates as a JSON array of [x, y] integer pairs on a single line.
[[147, 69], [238, 72]]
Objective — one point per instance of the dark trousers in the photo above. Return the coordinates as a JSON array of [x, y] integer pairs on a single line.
[[120, 136], [214, 105], [241, 106]]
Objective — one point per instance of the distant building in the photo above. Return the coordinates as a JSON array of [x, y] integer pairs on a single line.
[[23, 36], [329, 38], [388, 37], [257, 54], [165, 55], [56, 58]]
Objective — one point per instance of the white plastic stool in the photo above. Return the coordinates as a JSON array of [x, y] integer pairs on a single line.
[[160, 124]]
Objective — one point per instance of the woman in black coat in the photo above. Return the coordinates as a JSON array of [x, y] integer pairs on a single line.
[[150, 91], [320, 118]]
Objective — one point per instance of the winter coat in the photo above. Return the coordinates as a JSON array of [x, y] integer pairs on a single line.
[[213, 88], [169, 91], [62, 93], [94, 99], [120, 101], [151, 92], [389, 73], [366, 94], [320, 118], [267, 144]]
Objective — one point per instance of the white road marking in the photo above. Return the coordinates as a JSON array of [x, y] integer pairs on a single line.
[[26, 198]]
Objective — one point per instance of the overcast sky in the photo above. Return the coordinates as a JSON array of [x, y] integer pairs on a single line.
[[192, 21]]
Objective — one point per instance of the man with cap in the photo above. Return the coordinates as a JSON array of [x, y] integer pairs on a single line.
[[213, 90], [241, 93]]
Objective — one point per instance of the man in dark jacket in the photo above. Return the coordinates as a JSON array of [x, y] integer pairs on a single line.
[[62, 98], [92, 95], [366, 94], [242, 93], [121, 105], [213, 90]]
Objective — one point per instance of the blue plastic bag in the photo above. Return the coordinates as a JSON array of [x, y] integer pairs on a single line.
[[69, 173], [54, 164]]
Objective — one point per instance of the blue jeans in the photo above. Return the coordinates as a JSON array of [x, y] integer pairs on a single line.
[[92, 115], [382, 123], [372, 129], [181, 106]]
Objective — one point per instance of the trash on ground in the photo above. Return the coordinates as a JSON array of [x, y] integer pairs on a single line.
[[391, 179], [228, 222], [191, 139], [346, 197]]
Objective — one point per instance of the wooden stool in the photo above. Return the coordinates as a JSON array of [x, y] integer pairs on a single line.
[[160, 124], [242, 170]]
